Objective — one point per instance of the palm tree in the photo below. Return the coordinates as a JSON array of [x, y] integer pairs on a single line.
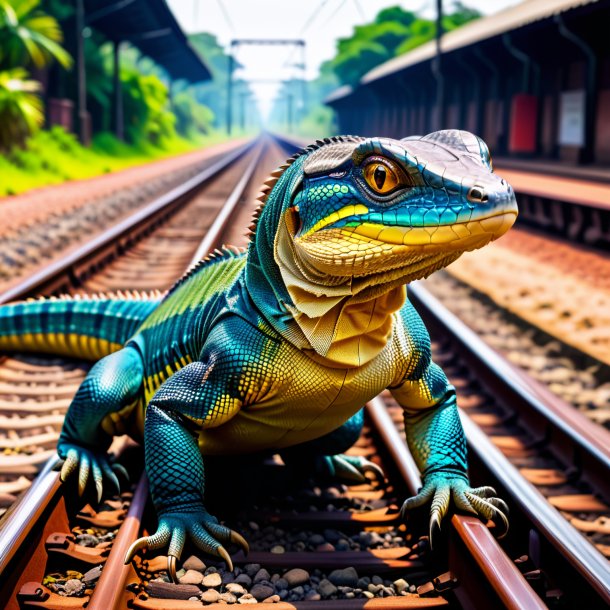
[[21, 112], [28, 35]]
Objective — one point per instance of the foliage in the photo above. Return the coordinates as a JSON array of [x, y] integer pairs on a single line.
[[54, 156], [145, 101], [393, 32], [21, 111], [28, 35], [192, 118]]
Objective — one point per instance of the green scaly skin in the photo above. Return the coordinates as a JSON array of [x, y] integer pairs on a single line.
[[278, 348]]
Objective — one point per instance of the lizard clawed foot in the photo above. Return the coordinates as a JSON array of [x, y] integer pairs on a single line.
[[202, 528], [90, 465], [349, 469], [441, 489]]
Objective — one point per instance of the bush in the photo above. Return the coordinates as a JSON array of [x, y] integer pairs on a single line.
[[192, 118]]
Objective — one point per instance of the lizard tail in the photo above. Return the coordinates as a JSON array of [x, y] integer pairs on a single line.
[[89, 327]]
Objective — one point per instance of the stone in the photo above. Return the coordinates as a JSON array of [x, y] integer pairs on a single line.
[[348, 577], [227, 597], [373, 588], [327, 547], [368, 594], [168, 590], [251, 569], [235, 588], [247, 599], [377, 580], [210, 596], [92, 575], [73, 586], [261, 591], [278, 549], [254, 526], [316, 539], [244, 579], [194, 563], [281, 584], [212, 580], [342, 545], [400, 585], [192, 577], [296, 577], [326, 588], [272, 599], [262, 574], [313, 596]]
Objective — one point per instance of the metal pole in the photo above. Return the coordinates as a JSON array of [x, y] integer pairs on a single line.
[[289, 97], [118, 92], [83, 122], [230, 91], [242, 111], [437, 68]]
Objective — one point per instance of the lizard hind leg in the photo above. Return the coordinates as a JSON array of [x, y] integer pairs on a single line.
[[325, 456], [113, 384]]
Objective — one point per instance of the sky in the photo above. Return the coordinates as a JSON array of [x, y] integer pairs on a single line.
[[319, 22]]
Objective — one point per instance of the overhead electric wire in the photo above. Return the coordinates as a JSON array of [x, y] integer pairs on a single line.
[[225, 14]]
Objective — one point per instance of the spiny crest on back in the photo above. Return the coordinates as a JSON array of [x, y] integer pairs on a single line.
[[217, 256], [119, 295], [276, 174]]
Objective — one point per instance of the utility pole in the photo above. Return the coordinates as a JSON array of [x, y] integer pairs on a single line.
[[83, 115], [437, 69], [230, 89], [289, 103], [242, 110], [118, 91]]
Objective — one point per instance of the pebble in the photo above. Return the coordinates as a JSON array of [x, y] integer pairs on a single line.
[[92, 575], [227, 597], [244, 579], [254, 526], [281, 584], [194, 563], [400, 585], [316, 539], [261, 591], [326, 588], [235, 588], [73, 586], [193, 577], [368, 594], [272, 599], [278, 549], [313, 596], [211, 596], [212, 580], [251, 569], [348, 577], [296, 577], [325, 548], [262, 574], [168, 590], [247, 599]]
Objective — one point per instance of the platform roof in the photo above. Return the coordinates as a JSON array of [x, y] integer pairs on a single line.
[[509, 19], [150, 26]]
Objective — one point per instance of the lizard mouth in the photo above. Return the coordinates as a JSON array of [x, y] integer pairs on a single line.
[[457, 236], [369, 248]]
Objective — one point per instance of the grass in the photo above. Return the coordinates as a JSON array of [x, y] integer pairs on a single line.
[[55, 156]]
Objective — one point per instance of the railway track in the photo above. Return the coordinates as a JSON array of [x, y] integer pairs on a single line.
[[376, 562]]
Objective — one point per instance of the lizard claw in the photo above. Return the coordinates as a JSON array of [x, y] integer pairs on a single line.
[[90, 465], [203, 530], [441, 489], [351, 469]]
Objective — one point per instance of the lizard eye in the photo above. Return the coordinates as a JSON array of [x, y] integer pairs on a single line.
[[383, 176]]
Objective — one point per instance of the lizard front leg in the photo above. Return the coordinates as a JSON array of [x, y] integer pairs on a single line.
[[437, 443], [112, 384], [195, 397]]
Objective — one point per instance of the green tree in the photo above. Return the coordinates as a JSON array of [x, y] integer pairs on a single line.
[[21, 112], [29, 36]]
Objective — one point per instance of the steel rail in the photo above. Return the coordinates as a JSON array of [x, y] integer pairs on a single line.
[[498, 569], [20, 520], [556, 422], [115, 235], [546, 414]]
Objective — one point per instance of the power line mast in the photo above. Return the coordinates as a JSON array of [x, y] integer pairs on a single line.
[[237, 42]]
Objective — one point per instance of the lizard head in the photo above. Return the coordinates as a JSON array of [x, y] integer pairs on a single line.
[[370, 206]]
